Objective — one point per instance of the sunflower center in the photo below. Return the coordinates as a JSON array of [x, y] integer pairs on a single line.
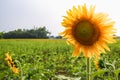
[[85, 33]]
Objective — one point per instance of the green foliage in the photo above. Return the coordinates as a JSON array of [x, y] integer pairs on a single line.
[[40, 32], [46, 59], [1, 35]]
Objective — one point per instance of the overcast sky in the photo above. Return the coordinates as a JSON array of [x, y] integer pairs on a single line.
[[26, 14]]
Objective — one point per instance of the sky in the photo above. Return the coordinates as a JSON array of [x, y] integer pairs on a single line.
[[25, 14]]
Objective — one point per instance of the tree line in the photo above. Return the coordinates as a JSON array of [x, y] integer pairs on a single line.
[[40, 32]]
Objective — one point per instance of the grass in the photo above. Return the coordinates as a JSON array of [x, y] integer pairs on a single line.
[[45, 59]]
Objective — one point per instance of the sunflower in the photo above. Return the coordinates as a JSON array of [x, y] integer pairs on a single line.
[[87, 31], [8, 58], [96, 62]]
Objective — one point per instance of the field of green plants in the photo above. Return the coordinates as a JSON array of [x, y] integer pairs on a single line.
[[51, 59]]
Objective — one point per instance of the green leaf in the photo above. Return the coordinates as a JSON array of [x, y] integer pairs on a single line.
[[117, 71], [99, 72]]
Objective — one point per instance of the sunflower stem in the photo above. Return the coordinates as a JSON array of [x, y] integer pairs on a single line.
[[88, 69]]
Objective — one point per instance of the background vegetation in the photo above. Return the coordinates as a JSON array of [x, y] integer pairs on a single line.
[[46, 59], [40, 32]]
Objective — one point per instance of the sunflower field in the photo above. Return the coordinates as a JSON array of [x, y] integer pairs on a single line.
[[50, 59]]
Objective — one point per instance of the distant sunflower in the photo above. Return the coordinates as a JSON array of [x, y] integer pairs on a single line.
[[96, 62], [8, 58], [87, 31]]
